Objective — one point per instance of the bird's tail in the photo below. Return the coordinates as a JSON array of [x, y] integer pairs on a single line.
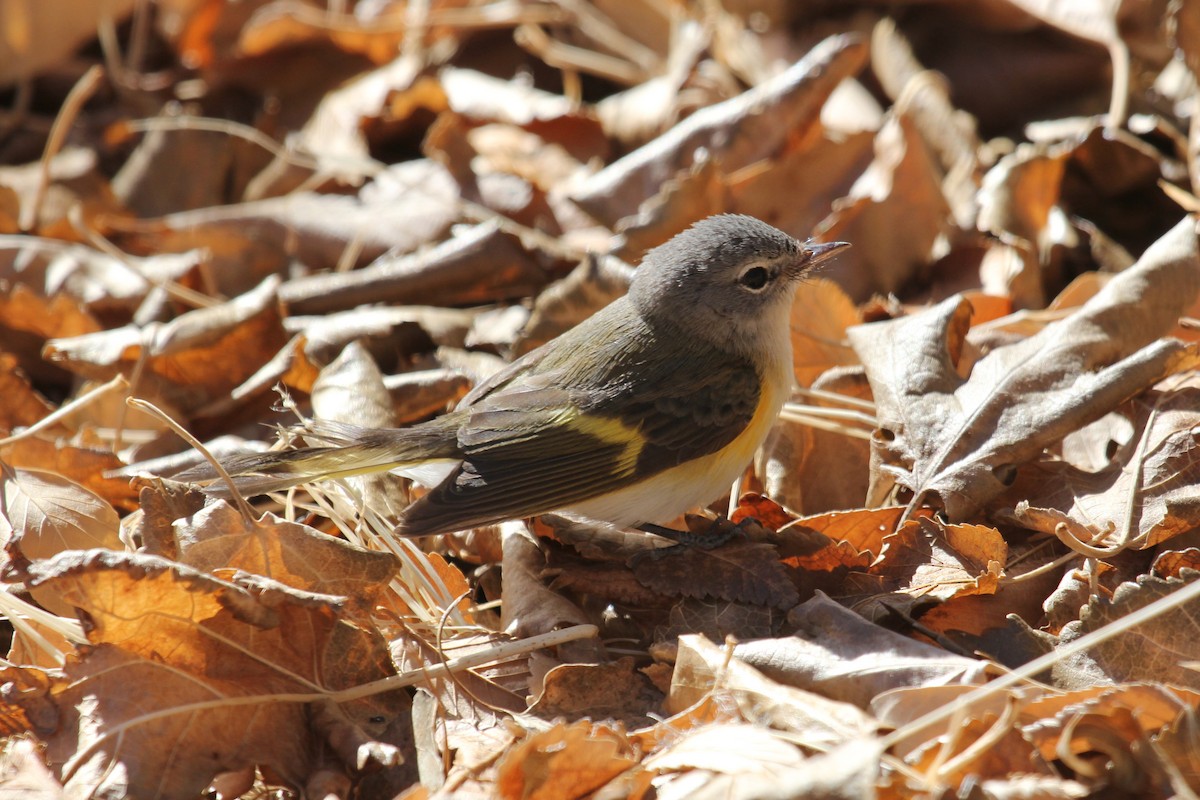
[[347, 450]]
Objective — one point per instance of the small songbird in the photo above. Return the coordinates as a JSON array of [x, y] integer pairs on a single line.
[[647, 409]]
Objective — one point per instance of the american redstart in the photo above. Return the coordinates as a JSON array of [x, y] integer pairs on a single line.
[[649, 408]]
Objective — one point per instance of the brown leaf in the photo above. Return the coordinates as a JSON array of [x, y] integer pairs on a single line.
[[795, 190], [1021, 191], [702, 668], [75, 187], [43, 514], [926, 559], [895, 214], [89, 466], [290, 367], [962, 440], [737, 132], [192, 360], [26, 312], [216, 540], [812, 470], [598, 691], [529, 607], [841, 656], [824, 563], [744, 572], [762, 509], [821, 314], [27, 319], [1008, 752], [1170, 563], [1157, 467], [473, 267], [719, 619], [864, 529], [43, 35], [1179, 744], [405, 207], [601, 580], [230, 164], [197, 648], [566, 761], [691, 195], [1156, 651], [23, 405]]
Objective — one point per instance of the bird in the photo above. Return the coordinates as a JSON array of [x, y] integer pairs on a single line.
[[651, 407]]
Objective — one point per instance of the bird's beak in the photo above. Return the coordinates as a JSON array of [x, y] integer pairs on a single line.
[[819, 252]]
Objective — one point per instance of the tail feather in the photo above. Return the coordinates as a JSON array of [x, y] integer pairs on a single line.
[[364, 451]]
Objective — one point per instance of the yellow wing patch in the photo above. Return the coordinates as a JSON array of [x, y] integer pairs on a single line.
[[610, 431]]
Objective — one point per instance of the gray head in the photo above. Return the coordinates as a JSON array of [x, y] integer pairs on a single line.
[[728, 279]]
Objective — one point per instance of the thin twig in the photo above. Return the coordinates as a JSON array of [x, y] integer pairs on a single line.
[[149, 408], [83, 89], [1177, 599], [116, 384], [835, 397]]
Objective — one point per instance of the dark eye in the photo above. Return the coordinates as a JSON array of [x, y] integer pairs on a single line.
[[754, 278]]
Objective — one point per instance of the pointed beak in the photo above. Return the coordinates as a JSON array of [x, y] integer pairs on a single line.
[[820, 252]]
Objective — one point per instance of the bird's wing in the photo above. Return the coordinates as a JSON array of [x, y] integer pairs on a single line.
[[543, 443]]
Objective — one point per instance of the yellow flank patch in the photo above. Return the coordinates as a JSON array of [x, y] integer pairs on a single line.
[[611, 431]]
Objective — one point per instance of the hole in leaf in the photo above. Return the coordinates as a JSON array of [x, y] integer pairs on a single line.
[[1005, 473]]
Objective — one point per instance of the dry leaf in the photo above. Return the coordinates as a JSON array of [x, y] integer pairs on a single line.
[[820, 723], [926, 559], [216, 540], [198, 648], [839, 655], [895, 214], [744, 572], [737, 132], [1147, 495], [45, 513], [566, 761], [612, 691], [23, 405], [963, 440], [1156, 651], [529, 607], [470, 267], [194, 359]]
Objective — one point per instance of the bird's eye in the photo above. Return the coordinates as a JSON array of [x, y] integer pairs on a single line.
[[754, 278]]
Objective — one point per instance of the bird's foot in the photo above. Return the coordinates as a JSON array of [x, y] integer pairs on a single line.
[[702, 533]]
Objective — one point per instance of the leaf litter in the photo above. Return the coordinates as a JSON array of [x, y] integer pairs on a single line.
[[962, 564]]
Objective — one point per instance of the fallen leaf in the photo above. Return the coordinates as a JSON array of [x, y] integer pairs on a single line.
[[608, 691], [738, 132], [745, 572], [43, 514], [566, 761], [1145, 497], [197, 646], [962, 440], [895, 214], [1154, 651], [470, 267], [703, 670], [926, 559], [841, 656], [192, 360], [216, 540]]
